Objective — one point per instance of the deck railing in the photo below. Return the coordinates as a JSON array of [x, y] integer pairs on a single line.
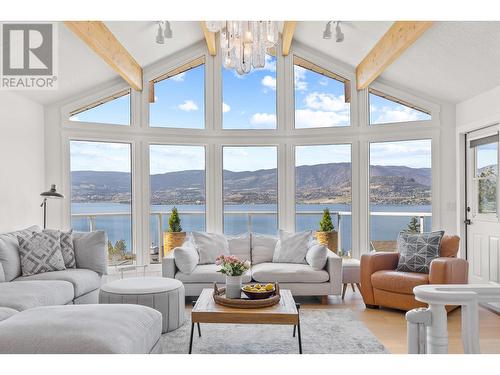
[[161, 218]]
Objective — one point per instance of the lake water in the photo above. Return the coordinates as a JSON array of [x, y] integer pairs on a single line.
[[119, 227]]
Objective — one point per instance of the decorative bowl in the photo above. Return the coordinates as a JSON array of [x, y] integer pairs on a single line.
[[259, 295]]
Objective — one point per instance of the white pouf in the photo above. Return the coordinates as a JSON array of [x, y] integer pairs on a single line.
[[162, 294], [350, 273]]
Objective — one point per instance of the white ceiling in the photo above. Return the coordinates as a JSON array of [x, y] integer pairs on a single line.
[[452, 61]]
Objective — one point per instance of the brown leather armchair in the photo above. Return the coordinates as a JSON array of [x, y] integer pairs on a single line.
[[382, 285]]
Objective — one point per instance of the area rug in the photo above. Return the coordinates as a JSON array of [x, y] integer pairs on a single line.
[[325, 331]]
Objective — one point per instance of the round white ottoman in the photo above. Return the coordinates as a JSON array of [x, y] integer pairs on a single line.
[[350, 274], [160, 293]]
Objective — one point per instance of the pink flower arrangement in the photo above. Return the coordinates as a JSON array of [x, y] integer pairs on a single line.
[[231, 266]]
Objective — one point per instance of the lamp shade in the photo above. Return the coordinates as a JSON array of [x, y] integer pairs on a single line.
[[52, 193]]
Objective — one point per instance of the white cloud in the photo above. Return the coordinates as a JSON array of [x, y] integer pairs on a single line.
[[323, 82], [188, 106], [225, 107], [325, 102], [394, 114], [299, 74], [270, 63], [307, 118], [179, 77], [165, 158], [269, 82], [263, 119], [415, 154]]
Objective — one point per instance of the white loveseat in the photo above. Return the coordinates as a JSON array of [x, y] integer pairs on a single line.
[[301, 279]]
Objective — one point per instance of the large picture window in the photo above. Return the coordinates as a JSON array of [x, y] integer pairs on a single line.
[[322, 98], [177, 179], [177, 99], [323, 179], [386, 109], [250, 183], [101, 194], [400, 190], [113, 110], [249, 101]]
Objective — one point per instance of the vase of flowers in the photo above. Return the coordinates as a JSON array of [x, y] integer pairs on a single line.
[[233, 268]]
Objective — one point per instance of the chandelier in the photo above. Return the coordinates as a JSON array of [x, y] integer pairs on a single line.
[[244, 44]]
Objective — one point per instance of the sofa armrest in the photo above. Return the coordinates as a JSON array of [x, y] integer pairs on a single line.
[[168, 267], [371, 263], [448, 271], [91, 251], [334, 269]]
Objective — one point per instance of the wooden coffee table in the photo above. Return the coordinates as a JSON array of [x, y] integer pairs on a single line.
[[205, 310]]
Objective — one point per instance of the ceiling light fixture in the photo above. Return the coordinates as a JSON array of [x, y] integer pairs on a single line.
[[327, 33], [244, 44], [164, 32]]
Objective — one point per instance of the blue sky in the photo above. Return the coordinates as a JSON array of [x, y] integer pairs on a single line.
[[322, 154], [100, 156], [166, 158], [239, 159], [383, 111], [115, 112], [487, 155], [414, 154]]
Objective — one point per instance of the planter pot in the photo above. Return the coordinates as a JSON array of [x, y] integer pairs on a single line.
[[329, 239], [171, 240], [233, 286]]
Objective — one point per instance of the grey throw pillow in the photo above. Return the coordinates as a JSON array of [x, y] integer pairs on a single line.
[[292, 247], [418, 250], [40, 252], [67, 247]]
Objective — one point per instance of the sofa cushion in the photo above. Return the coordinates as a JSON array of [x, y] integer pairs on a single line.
[[40, 252], [67, 246], [207, 273], [28, 294], [449, 246], [91, 251], [6, 312], [288, 273], [397, 281], [9, 252], [82, 329], [292, 247], [263, 248], [418, 250], [83, 280], [209, 246], [239, 246]]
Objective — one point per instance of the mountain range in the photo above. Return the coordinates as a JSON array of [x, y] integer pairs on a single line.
[[315, 183]]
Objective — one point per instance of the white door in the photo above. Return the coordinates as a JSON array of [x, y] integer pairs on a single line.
[[482, 221]]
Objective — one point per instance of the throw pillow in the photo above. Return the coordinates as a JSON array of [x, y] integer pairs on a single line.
[[317, 256], [209, 246], [239, 246], [40, 252], [67, 247], [91, 251], [292, 247], [186, 257], [418, 250], [263, 248]]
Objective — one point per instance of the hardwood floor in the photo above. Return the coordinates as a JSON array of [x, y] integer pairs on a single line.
[[389, 326]]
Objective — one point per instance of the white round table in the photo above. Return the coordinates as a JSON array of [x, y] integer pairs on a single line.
[[160, 293]]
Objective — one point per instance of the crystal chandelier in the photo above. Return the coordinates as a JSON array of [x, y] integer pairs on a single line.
[[244, 43]]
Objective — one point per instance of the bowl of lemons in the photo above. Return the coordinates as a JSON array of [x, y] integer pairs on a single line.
[[258, 291]]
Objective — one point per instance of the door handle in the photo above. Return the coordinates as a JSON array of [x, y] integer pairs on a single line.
[[467, 222]]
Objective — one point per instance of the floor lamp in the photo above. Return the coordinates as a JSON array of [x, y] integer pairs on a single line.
[[51, 194]]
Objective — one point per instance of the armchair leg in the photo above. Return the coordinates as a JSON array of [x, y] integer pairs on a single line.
[[324, 300], [344, 288]]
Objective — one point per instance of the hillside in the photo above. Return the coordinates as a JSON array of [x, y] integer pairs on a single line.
[[324, 182]]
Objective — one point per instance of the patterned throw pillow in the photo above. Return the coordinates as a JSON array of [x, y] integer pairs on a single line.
[[418, 250], [67, 247], [40, 252]]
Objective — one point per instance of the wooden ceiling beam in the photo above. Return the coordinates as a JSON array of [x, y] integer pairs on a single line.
[[102, 41], [400, 36], [209, 39], [287, 36]]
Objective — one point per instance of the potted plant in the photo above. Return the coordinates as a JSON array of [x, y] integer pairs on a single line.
[[175, 236], [326, 234], [233, 268]]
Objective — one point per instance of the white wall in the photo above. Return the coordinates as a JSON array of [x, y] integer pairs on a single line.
[[22, 165], [479, 111]]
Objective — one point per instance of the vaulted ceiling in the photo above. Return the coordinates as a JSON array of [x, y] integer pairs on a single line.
[[451, 62]]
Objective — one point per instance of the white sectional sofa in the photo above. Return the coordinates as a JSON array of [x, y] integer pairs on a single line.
[[57, 312], [301, 279]]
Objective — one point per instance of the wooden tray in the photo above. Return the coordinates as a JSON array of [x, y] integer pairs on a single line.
[[245, 303]]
